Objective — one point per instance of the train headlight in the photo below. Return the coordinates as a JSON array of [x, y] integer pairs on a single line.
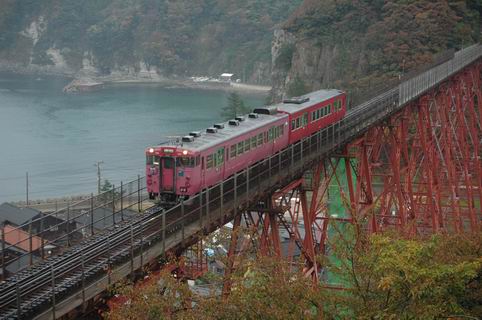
[[184, 152], [151, 150]]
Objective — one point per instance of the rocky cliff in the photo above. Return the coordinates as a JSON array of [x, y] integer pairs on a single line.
[[143, 40], [363, 45]]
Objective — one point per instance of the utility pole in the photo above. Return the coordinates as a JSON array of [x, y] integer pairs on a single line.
[[26, 185], [98, 175]]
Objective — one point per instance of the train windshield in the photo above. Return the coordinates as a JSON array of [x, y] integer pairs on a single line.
[[185, 162], [152, 160]]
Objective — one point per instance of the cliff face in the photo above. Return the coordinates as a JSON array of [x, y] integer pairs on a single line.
[[148, 39], [362, 45]]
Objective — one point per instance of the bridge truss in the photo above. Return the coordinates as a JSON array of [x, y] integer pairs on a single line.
[[418, 171]]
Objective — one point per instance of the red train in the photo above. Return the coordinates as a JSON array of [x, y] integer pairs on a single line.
[[201, 159]]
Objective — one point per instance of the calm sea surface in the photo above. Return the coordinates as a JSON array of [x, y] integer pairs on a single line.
[[58, 138]]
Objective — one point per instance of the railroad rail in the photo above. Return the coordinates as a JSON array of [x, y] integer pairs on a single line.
[[61, 283]]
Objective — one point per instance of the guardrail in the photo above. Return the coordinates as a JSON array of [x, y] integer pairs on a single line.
[[414, 87]]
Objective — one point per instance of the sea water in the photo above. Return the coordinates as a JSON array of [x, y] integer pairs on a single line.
[[58, 138]]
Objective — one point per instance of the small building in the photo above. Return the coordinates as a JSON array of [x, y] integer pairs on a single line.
[[31, 220], [21, 239], [10, 214], [20, 249], [226, 77]]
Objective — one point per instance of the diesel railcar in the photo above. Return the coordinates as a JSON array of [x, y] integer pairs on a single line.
[[182, 168]]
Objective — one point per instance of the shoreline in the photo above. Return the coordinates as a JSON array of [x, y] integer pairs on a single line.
[[86, 83], [89, 84]]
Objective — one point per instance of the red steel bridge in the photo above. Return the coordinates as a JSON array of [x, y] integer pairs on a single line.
[[408, 159]]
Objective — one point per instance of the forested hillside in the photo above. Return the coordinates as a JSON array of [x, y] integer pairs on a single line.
[[360, 44], [168, 38], [317, 43]]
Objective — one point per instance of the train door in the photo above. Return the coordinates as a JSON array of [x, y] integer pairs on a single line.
[[167, 174], [219, 162], [203, 173]]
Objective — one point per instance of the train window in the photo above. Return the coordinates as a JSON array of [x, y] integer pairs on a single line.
[[246, 145], [150, 160], [293, 125], [240, 148], [329, 108], [209, 162], [266, 137], [297, 123], [185, 162], [253, 142], [168, 163], [220, 157], [198, 160], [323, 112], [305, 119], [260, 139], [318, 116], [233, 151], [313, 116], [270, 134]]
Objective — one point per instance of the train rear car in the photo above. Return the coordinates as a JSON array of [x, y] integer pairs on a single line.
[[313, 112]]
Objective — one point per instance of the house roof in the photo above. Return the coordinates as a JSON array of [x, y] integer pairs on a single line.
[[15, 215], [20, 263], [103, 218], [21, 239]]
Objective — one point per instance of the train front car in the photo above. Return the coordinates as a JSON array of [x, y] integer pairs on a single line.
[[169, 170]]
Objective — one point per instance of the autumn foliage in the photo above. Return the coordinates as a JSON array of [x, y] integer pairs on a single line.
[[376, 277]]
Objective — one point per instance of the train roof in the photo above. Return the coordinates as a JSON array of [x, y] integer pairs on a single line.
[[299, 103], [207, 140]]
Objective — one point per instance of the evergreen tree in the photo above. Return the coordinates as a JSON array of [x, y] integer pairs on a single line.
[[235, 107]]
